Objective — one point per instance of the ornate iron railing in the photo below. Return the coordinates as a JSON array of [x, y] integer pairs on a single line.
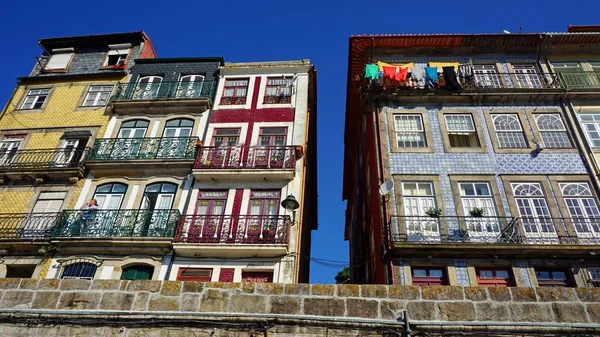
[[164, 90], [453, 229], [117, 223], [26, 226], [246, 157], [233, 229], [543, 230], [143, 148], [580, 80], [42, 158]]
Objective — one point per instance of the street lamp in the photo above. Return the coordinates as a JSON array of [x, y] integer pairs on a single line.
[[291, 205]]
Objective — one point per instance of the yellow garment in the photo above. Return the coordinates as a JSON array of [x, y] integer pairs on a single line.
[[405, 65], [440, 65]]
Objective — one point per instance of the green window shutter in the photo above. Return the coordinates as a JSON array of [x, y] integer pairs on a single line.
[[137, 272]]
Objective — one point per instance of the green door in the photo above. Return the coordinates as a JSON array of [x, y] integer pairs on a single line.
[[137, 272]]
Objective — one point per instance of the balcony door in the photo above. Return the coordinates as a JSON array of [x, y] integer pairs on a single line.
[[535, 215], [271, 150], [8, 149], [71, 151], [224, 150], [190, 86], [527, 76], [129, 142], [175, 142], [42, 216], [148, 87], [155, 214], [262, 222], [583, 210], [104, 223], [479, 195], [417, 199], [486, 76], [208, 224]]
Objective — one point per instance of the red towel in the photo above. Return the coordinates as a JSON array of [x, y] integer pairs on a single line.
[[401, 77], [389, 72]]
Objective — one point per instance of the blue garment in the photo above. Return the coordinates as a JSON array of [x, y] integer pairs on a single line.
[[432, 74], [89, 212]]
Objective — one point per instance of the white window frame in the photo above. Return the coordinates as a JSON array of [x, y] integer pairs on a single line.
[[583, 209], [97, 91], [545, 132], [36, 94], [591, 124], [487, 76], [190, 91], [63, 59], [123, 53], [514, 132], [418, 226], [527, 76], [410, 133]]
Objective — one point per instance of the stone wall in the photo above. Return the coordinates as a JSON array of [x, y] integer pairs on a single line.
[[169, 308]]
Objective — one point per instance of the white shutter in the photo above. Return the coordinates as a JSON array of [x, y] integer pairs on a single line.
[[59, 61]]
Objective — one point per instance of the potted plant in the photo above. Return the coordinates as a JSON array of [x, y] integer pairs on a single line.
[[434, 212], [476, 212]]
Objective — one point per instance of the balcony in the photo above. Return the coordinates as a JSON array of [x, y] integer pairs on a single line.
[[141, 155], [563, 231], [232, 235], [164, 97], [580, 80], [250, 162], [123, 229], [26, 226], [42, 164]]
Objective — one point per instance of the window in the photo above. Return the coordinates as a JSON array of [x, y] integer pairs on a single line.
[[418, 197], [591, 125], [19, 271], [478, 195], [59, 61], [235, 91], [583, 209], [509, 131], [8, 149], [110, 196], [49, 202], [272, 136], [116, 57], [552, 278], [97, 95], [148, 87], [486, 76], [594, 276], [494, 277], [195, 274], [409, 131], [262, 223], [133, 129], [533, 210], [552, 129], [527, 76], [190, 86], [571, 74], [137, 272], [226, 137], [461, 131], [278, 90], [208, 223], [257, 276], [79, 270], [159, 196], [178, 128], [427, 276], [35, 99]]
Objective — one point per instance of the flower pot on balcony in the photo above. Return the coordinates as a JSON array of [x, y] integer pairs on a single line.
[[476, 212], [434, 212]]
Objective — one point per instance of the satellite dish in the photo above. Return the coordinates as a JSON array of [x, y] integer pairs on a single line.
[[386, 187]]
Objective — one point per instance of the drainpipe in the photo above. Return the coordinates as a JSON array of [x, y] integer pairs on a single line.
[[386, 234]]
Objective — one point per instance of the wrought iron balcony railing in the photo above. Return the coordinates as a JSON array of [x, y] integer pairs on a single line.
[[246, 157], [454, 229], [164, 90], [42, 158], [27, 226], [143, 148], [233, 229], [580, 80], [543, 230], [116, 223]]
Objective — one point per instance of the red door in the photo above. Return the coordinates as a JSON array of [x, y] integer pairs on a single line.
[[261, 224], [271, 151], [208, 223], [257, 276], [225, 152]]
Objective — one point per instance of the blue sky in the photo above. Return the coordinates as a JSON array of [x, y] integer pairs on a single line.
[[277, 30]]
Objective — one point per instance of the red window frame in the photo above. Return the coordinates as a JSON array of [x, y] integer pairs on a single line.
[[229, 136], [268, 136], [551, 282], [236, 98], [279, 98], [181, 277], [494, 281], [257, 276], [429, 280]]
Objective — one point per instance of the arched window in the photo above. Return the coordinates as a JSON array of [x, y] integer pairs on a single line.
[[178, 128], [553, 131], [159, 196], [583, 208], [527, 189], [148, 87], [190, 86], [133, 129], [137, 272], [509, 131], [83, 269], [576, 189], [110, 196], [534, 211]]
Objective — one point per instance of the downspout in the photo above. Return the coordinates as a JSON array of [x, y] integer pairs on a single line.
[[386, 234]]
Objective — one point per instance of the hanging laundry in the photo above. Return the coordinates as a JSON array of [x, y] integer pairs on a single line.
[[432, 74], [441, 65], [404, 65], [402, 73], [389, 72], [450, 77], [418, 76], [466, 73], [371, 72]]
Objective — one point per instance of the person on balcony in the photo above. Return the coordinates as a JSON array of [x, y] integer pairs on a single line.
[[88, 214]]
